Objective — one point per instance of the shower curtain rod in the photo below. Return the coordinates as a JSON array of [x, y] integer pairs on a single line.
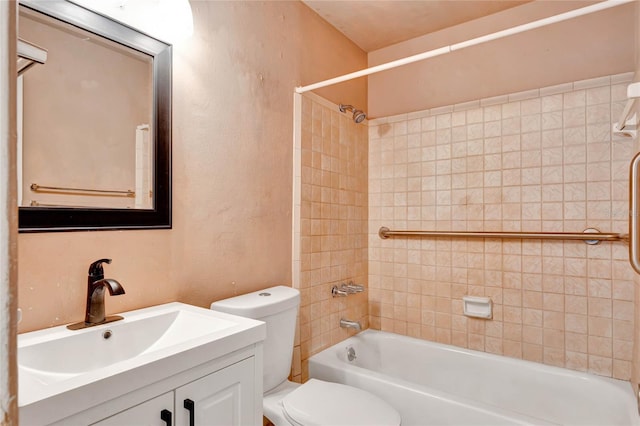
[[472, 42]]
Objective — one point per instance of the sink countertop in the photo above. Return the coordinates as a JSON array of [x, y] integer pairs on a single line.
[[56, 380]]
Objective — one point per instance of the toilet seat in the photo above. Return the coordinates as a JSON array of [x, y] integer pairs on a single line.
[[320, 403]]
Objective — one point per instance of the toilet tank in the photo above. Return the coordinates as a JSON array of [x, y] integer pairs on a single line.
[[277, 307]]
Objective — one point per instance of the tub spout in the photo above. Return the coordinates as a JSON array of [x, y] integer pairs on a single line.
[[345, 323]]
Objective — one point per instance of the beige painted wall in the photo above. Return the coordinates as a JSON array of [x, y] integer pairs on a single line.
[[232, 170], [635, 373], [581, 48], [8, 217]]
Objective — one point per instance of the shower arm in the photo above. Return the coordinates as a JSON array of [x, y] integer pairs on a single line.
[[358, 115]]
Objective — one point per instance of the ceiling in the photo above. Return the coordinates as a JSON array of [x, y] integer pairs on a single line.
[[374, 24]]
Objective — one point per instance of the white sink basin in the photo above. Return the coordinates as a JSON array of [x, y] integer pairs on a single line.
[[72, 352], [174, 337]]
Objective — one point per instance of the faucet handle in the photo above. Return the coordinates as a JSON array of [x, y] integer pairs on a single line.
[[352, 288], [338, 292], [95, 269]]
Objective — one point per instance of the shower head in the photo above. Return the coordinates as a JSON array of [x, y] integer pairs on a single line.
[[358, 115]]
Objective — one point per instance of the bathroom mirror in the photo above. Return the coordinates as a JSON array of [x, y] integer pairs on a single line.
[[94, 149]]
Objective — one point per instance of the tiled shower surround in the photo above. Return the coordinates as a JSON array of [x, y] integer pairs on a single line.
[[542, 160], [331, 234]]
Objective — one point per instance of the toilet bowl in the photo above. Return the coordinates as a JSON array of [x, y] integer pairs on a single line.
[[315, 402]]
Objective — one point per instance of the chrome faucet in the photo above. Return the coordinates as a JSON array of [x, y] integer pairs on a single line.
[[345, 323], [96, 283], [346, 289]]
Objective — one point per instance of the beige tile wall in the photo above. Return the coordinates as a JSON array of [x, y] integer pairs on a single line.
[[332, 234], [542, 160]]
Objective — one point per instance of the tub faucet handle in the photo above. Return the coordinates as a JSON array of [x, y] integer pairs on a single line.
[[353, 288], [339, 292], [346, 289]]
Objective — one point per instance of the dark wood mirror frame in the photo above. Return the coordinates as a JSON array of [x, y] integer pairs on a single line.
[[41, 219]]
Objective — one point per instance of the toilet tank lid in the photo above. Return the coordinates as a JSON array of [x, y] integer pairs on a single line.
[[261, 303]]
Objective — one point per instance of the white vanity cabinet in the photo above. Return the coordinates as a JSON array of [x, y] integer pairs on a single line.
[[222, 398], [148, 413], [127, 373], [226, 397]]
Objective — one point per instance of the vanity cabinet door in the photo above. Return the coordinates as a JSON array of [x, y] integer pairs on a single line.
[[225, 397], [148, 413]]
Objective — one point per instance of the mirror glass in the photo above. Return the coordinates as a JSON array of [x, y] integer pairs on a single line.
[[86, 117], [94, 123]]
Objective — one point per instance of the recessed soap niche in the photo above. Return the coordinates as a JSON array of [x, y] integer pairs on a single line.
[[477, 307]]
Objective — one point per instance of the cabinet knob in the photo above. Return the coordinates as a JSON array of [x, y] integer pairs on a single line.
[[165, 415], [191, 407]]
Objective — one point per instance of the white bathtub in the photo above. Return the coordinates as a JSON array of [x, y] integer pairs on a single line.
[[435, 384]]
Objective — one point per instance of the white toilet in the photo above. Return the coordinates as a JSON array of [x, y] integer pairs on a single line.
[[315, 402]]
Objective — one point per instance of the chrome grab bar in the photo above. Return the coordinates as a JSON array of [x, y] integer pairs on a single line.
[[107, 192], [634, 201], [590, 236], [35, 203]]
